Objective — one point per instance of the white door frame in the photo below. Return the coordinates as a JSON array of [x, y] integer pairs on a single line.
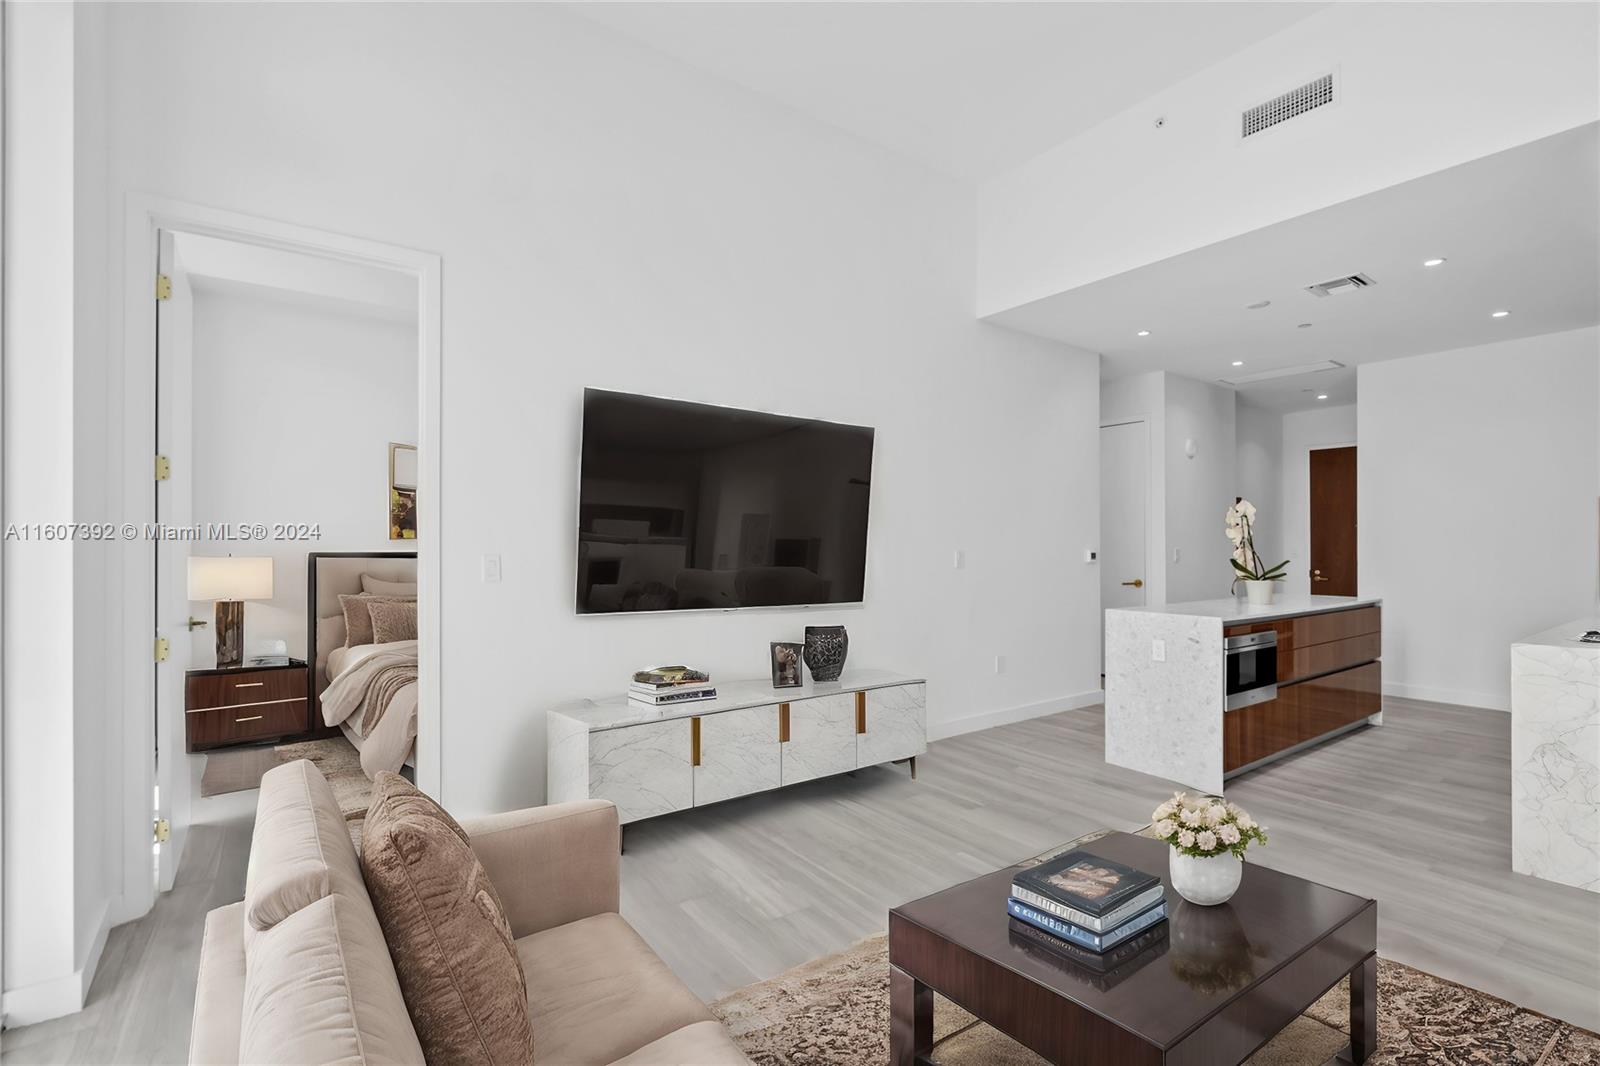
[[133, 444]]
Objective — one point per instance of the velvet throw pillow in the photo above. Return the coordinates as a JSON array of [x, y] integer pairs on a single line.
[[358, 617], [393, 620], [446, 929]]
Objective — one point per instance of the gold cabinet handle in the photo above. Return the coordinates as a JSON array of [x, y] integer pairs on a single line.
[[1137, 583], [248, 684], [252, 718]]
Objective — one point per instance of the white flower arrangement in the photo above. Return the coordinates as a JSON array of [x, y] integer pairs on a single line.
[[1203, 826], [1247, 565]]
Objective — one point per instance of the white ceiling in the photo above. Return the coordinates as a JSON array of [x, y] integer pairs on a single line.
[[971, 89], [1519, 230]]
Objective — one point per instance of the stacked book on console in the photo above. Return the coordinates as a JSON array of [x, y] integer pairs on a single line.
[[1086, 902], [668, 686]]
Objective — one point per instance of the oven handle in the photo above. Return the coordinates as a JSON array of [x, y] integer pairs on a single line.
[[1252, 696]]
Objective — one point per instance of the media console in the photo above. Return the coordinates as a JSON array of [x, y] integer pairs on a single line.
[[651, 761]]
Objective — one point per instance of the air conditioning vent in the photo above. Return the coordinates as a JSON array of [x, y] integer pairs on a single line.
[[1281, 372], [1292, 104], [1338, 286]]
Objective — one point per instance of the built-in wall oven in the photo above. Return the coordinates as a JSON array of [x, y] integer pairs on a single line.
[[1252, 668]]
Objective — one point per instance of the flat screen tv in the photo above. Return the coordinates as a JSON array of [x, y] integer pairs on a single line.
[[689, 506]]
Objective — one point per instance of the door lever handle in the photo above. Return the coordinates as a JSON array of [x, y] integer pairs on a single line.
[[1137, 583], [196, 623]]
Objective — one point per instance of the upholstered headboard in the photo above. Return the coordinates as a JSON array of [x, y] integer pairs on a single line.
[[330, 575]]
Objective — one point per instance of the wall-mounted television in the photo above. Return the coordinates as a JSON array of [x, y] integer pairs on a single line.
[[690, 506]]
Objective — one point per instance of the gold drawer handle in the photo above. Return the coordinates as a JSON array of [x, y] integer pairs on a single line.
[[252, 718], [248, 684]]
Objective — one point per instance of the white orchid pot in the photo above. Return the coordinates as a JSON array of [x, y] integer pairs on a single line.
[[1259, 592], [1206, 881]]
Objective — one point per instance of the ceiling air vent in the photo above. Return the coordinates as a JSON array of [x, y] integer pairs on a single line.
[[1295, 102], [1338, 286], [1281, 372]]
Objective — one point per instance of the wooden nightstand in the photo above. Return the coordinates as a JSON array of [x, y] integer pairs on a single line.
[[243, 704]]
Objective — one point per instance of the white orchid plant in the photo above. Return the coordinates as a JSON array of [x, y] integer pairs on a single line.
[[1204, 826], [1247, 565]]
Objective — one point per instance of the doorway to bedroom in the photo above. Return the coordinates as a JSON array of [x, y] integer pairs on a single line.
[[289, 405]]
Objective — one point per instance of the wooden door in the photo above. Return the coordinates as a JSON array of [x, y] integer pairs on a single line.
[[1333, 521]]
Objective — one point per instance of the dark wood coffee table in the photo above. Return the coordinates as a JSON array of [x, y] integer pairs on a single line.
[[1221, 983]]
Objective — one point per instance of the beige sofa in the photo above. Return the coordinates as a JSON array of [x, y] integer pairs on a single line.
[[298, 972]]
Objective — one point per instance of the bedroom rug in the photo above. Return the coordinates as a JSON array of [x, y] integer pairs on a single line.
[[240, 769], [834, 1011]]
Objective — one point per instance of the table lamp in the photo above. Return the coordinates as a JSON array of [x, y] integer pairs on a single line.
[[230, 580]]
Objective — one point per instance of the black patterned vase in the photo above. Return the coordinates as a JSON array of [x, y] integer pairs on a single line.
[[826, 647]]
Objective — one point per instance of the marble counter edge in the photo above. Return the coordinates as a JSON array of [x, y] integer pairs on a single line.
[[1244, 615], [618, 712]]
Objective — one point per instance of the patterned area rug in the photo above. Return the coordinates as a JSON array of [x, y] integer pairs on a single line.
[[834, 1011], [340, 763]]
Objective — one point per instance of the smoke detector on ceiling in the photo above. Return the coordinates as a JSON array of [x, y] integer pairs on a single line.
[[1352, 283], [1318, 92]]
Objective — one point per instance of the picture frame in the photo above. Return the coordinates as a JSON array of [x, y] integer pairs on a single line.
[[402, 491], [786, 669]]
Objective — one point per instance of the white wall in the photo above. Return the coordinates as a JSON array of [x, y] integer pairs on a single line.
[[296, 399], [59, 726], [607, 217], [1304, 431], [1199, 489], [1478, 479], [1258, 437], [1424, 87]]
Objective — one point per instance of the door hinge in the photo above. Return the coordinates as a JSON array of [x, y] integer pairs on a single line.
[[163, 830], [163, 287], [163, 468], [162, 647]]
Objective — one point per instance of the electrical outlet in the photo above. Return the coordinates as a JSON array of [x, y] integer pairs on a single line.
[[1177, 555], [1158, 651], [491, 569], [959, 561]]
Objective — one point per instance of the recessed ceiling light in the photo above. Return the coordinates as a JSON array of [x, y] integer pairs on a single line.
[[1238, 362], [1432, 262], [1322, 396], [1258, 305], [1143, 333], [1500, 314], [1303, 325]]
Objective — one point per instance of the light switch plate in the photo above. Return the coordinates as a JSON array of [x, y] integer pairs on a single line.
[[491, 569]]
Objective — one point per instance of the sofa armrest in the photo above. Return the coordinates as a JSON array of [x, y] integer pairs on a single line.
[[551, 865], [219, 990]]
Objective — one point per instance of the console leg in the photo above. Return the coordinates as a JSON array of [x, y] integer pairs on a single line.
[[1363, 1012], [910, 1019], [622, 839], [913, 767]]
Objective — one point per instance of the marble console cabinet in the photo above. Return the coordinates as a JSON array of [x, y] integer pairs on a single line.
[[1170, 718], [751, 738], [1555, 756]]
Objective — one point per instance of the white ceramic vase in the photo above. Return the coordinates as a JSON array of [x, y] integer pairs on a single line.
[[1206, 881], [1259, 592]]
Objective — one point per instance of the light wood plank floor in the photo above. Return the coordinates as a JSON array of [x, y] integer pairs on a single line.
[[1415, 813]]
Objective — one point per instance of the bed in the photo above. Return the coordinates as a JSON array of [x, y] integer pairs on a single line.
[[367, 687]]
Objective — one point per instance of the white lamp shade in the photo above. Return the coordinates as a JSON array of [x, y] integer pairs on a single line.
[[230, 578]]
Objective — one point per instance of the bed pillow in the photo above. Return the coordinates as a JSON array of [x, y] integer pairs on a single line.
[[358, 617], [446, 928], [376, 586], [393, 620]]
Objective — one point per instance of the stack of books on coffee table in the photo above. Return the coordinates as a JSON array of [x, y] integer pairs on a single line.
[[1084, 902]]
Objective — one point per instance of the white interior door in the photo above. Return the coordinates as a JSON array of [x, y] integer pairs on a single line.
[[1124, 514], [174, 507]]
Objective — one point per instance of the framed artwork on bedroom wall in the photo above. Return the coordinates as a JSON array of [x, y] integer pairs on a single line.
[[402, 491]]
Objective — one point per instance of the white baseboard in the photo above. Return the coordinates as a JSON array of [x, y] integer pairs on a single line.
[[1005, 716], [58, 996], [1486, 700]]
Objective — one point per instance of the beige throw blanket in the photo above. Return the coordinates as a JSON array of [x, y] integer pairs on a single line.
[[365, 694]]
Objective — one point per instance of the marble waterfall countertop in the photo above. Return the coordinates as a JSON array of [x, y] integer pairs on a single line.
[[1555, 756], [612, 712], [1234, 610]]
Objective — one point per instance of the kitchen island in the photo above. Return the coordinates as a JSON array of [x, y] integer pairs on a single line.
[[1200, 692], [1555, 756]]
